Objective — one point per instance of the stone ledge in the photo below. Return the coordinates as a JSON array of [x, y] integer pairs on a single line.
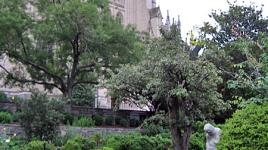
[[11, 129]]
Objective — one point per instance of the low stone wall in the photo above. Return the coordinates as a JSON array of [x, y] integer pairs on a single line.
[[87, 111], [6, 105], [11, 129]]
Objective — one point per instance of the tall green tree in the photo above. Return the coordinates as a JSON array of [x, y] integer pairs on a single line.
[[252, 74], [168, 75], [61, 44], [240, 21], [234, 39]]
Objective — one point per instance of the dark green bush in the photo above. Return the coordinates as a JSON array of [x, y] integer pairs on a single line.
[[155, 124], [83, 95], [123, 122], [117, 120], [137, 142], [197, 141], [39, 145], [98, 120], [134, 123], [68, 118], [109, 120], [106, 148], [3, 96], [152, 129], [41, 116], [5, 117], [61, 140], [15, 143], [79, 143], [84, 122], [16, 116], [247, 129]]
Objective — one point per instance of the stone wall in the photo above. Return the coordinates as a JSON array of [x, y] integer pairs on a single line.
[[6, 105], [11, 129], [87, 111]]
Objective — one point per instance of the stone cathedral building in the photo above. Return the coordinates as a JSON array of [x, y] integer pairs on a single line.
[[146, 17], [142, 14]]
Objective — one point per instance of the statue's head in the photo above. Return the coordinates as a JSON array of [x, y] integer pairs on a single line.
[[211, 130]]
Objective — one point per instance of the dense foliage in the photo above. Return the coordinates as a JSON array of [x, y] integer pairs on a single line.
[[155, 124], [240, 21], [252, 73], [5, 117], [98, 120], [79, 143], [83, 122], [83, 95], [188, 88], [235, 39], [247, 129], [41, 116], [137, 142], [39, 145], [3, 96]]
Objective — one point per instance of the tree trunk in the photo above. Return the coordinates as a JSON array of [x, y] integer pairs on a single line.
[[186, 137], [173, 123], [179, 141]]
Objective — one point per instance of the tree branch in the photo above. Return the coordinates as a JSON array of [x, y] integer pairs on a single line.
[[38, 67], [27, 80], [84, 82]]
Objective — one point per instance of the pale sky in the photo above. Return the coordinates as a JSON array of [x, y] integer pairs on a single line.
[[195, 12]]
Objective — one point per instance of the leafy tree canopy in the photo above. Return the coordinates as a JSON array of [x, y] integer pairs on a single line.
[[168, 75], [239, 21], [61, 44], [236, 38]]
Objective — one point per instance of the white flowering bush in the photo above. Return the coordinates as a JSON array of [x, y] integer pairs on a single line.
[[8, 142]]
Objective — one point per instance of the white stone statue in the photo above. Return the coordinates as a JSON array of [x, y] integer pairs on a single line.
[[212, 136]]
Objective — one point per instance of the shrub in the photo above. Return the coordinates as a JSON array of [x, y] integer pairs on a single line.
[[117, 120], [10, 142], [60, 140], [40, 118], [84, 122], [134, 123], [5, 117], [97, 138], [3, 96], [68, 118], [71, 145], [16, 116], [39, 145], [137, 142], [98, 120], [109, 120], [152, 129], [197, 141], [155, 124], [83, 95], [105, 148], [79, 143], [123, 122], [247, 129]]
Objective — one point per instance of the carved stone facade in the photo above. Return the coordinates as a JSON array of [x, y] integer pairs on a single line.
[[143, 14], [146, 17]]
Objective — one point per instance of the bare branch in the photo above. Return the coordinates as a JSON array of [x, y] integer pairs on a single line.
[[38, 67], [85, 82], [16, 78]]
